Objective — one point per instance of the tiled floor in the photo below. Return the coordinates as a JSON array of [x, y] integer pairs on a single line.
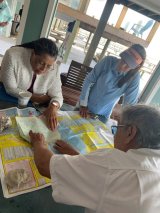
[[6, 43], [76, 53]]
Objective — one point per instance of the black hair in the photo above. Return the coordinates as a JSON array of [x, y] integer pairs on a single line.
[[42, 46], [130, 75]]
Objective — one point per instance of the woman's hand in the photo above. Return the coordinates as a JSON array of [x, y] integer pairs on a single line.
[[40, 98], [84, 112], [51, 116], [65, 148]]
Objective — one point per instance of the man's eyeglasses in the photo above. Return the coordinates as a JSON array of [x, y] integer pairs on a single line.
[[115, 128]]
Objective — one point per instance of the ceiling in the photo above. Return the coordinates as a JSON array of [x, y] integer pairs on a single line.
[[150, 8]]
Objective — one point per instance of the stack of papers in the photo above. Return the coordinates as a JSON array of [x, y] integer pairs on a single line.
[[37, 125]]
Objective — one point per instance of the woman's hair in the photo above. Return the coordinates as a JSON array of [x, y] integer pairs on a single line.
[[42, 46], [130, 75], [147, 121]]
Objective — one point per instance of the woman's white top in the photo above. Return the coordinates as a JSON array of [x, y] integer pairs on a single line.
[[17, 74]]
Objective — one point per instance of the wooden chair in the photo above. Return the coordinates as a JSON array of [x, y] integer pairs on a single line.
[[72, 84]]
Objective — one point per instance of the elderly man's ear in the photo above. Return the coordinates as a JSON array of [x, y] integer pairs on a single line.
[[131, 132]]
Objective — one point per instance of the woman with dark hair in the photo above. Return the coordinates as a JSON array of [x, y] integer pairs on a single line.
[[31, 67], [110, 79]]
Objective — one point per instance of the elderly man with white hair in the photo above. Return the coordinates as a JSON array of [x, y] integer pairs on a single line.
[[124, 179]]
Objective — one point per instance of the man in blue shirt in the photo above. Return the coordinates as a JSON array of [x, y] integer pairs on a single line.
[[110, 79]]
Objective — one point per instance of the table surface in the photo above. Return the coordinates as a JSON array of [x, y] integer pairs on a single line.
[[40, 201]]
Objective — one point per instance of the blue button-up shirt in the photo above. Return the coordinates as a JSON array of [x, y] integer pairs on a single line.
[[100, 91]]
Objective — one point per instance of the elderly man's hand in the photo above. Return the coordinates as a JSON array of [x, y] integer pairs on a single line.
[[37, 139], [42, 155], [65, 148]]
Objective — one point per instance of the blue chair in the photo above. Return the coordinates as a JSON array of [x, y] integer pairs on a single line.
[[138, 29]]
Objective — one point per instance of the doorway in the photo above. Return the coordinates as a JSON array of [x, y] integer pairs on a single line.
[[9, 34]]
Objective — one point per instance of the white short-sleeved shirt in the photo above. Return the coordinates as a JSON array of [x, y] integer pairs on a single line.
[[108, 180]]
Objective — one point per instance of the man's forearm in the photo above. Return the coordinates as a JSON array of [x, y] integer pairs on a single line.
[[85, 93], [42, 157]]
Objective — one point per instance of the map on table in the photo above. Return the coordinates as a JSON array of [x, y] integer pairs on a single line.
[[86, 135]]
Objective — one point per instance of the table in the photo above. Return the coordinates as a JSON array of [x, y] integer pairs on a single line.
[[40, 201]]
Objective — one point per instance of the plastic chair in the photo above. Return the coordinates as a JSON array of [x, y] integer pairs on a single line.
[[138, 29]]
